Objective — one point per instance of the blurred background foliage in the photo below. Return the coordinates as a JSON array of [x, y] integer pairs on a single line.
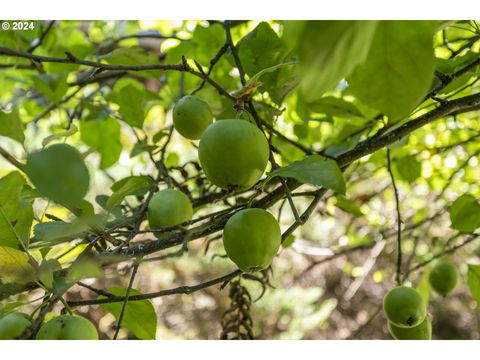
[[329, 278]]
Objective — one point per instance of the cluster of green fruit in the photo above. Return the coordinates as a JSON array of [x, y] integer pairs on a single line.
[[406, 310], [234, 155], [64, 327]]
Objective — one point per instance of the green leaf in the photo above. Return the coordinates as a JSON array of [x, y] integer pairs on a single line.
[[59, 173], [254, 47], [16, 213], [11, 126], [409, 168], [15, 266], [132, 185], [399, 68], [134, 55], [53, 86], [52, 232], [329, 51], [473, 281], [465, 213], [315, 170], [348, 206], [104, 137], [46, 272], [84, 267], [130, 100], [139, 316], [424, 287], [288, 241], [333, 106]]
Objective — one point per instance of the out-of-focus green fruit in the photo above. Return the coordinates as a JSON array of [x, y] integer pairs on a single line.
[[67, 327], [404, 307], [443, 277], [233, 154], [13, 325], [423, 331], [169, 208], [191, 116], [251, 239]]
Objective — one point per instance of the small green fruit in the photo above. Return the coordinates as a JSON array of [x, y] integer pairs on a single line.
[[443, 277], [423, 331], [233, 154], [191, 116], [13, 325], [251, 239], [67, 327], [59, 173], [404, 307], [169, 208]]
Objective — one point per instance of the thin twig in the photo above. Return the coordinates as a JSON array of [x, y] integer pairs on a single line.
[[398, 277], [125, 301]]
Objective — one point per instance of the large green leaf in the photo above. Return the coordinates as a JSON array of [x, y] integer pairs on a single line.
[[315, 170], [252, 50], [130, 100], [16, 213], [473, 280], [465, 213], [11, 126], [59, 173], [329, 51], [15, 266], [139, 316], [399, 68], [104, 136]]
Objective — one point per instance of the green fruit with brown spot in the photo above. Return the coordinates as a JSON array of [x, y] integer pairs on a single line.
[[404, 307], [423, 331], [191, 116], [251, 239], [67, 327], [233, 154]]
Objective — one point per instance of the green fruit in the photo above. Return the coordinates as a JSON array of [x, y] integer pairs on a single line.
[[423, 331], [59, 173], [13, 325], [443, 277], [251, 239], [233, 154], [67, 327], [191, 116], [169, 208], [404, 307]]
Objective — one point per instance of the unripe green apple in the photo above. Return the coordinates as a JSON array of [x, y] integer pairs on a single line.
[[233, 153], [443, 277], [251, 239], [423, 331], [169, 208], [59, 173], [13, 325], [404, 307], [67, 327], [191, 116]]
